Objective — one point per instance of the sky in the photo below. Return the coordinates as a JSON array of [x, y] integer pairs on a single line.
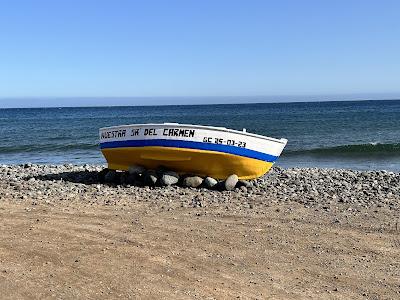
[[56, 53]]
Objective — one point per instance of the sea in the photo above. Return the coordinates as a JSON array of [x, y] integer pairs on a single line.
[[360, 135]]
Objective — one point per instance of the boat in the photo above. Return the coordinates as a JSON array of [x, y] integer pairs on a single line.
[[191, 149]]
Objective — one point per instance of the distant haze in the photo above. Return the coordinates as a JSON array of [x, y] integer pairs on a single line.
[[145, 101]]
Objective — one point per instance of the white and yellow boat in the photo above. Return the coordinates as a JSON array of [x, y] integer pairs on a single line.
[[203, 150]]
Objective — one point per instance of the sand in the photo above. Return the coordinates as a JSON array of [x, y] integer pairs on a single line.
[[172, 243], [136, 251]]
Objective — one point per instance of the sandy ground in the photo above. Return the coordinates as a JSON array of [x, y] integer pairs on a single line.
[[141, 250]]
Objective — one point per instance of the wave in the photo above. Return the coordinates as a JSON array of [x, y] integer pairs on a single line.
[[371, 149], [40, 148]]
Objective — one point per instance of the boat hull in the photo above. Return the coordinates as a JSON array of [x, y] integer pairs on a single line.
[[202, 150], [191, 161]]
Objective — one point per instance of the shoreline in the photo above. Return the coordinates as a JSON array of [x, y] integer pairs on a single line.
[[284, 162], [288, 236]]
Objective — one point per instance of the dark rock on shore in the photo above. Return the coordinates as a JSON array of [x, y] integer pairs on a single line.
[[111, 177], [210, 182], [150, 177], [136, 170], [244, 183]]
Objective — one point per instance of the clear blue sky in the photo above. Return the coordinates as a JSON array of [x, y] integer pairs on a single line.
[[198, 48]]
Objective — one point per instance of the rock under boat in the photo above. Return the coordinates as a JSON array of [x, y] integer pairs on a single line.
[[202, 150]]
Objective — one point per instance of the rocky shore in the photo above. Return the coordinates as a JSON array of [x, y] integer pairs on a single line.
[[311, 187]]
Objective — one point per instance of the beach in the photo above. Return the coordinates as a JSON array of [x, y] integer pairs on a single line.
[[293, 234], [199, 150]]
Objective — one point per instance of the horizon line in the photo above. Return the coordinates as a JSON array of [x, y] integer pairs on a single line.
[[198, 104], [354, 94]]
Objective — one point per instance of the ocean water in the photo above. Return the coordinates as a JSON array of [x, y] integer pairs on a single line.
[[362, 135]]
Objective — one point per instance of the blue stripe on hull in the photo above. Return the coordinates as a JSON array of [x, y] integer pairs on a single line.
[[191, 145]]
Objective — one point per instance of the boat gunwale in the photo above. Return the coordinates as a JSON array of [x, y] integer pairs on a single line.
[[223, 129]]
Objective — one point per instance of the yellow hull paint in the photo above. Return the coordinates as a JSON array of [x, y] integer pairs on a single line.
[[191, 161]]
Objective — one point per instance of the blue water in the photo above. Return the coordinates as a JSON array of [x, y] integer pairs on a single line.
[[359, 135]]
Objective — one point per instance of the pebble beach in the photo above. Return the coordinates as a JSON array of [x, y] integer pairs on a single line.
[[294, 233], [311, 187]]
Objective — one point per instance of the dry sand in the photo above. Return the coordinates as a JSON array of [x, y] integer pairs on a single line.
[[139, 250]]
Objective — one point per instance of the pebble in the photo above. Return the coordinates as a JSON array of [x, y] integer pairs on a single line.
[[150, 177], [244, 183], [210, 182], [169, 178], [192, 181], [231, 181]]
